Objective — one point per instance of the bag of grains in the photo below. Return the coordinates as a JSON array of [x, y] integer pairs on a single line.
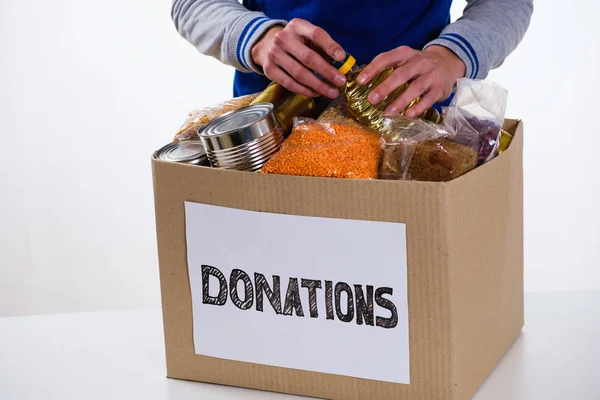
[[338, 113], [196, 119], [420, 150], [476, 115], [328, 149]]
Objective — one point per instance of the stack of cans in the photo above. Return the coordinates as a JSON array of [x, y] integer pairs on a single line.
[[244, 139]]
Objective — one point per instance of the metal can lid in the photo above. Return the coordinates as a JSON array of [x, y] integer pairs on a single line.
[[182, 151], [239, 127]]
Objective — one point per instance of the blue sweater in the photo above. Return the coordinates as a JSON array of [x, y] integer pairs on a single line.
[[486, 33], [363, 29]]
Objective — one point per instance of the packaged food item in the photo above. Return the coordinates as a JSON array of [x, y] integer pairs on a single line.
[[336, 149], [372, 115], [186, 152], [437, 160], [338, 113], [476, 115], [244, 139], [287, 105], [420, 150], [197, 119]]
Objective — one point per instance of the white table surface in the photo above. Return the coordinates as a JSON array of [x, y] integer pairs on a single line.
[[120, 355]]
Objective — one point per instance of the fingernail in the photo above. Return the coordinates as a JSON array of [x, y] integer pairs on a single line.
[[339, 55], [373, 98], [410, 114], [362, 79], [339, 80], [391, 110], [332, 93]]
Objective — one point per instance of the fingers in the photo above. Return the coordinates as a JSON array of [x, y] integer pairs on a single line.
[[427, 75], [429, 99], [414, 90], [275, 73], [319, 37], [396, 79], [385, 60], [311, 59], [303, 75]]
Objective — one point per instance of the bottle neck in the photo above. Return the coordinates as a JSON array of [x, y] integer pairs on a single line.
[[345, 66]]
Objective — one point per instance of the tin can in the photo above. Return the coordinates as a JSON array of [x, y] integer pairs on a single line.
[[295, 105], [287, 105], [274, 94], [244, 139], [186, 152]]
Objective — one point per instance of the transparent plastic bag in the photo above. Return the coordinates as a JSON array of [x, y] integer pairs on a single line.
[[476, 115], [336, 149], [337, 113], [196, 119], [423, 151]]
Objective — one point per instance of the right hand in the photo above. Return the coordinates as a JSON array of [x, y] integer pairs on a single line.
[[286, 59]]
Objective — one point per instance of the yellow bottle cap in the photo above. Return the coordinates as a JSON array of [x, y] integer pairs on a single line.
[[345, 66]]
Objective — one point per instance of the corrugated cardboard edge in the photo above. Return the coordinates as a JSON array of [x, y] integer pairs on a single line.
[[486, 268]]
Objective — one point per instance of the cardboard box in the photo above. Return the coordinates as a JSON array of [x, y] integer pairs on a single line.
[[451, 253]]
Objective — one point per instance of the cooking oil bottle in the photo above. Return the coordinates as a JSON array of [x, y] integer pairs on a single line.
[[372, 115], [288, 105]]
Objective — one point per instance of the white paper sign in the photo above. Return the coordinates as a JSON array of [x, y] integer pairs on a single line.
[[316, 294]]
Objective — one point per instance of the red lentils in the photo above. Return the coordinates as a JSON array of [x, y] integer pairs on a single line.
[[328, 150]]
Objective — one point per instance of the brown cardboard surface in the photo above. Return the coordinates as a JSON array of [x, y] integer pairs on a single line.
[[486, 268], [464, 243]]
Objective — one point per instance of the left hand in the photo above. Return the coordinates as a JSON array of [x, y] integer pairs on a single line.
[[431, 73]]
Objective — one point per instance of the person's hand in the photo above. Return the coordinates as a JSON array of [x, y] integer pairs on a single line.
[[431, 73], [284, 57]]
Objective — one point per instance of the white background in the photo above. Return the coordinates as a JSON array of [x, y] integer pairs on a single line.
[[88, 89]]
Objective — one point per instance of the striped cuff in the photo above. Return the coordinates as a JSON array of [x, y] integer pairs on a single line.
[[245, 33], [464, 50]]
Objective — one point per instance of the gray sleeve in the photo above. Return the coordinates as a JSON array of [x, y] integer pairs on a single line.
[[487, 33], [223, 29]]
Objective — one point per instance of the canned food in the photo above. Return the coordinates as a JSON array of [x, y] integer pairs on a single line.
[[295, 105], [244, 139], [274, 94], [287, 105], [187, 152]]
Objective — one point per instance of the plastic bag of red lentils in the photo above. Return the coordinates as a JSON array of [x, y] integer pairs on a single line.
[[196, 119], [336, 149]]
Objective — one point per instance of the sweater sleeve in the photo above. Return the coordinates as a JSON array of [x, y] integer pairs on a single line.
[[223, 29], [487, 32]]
